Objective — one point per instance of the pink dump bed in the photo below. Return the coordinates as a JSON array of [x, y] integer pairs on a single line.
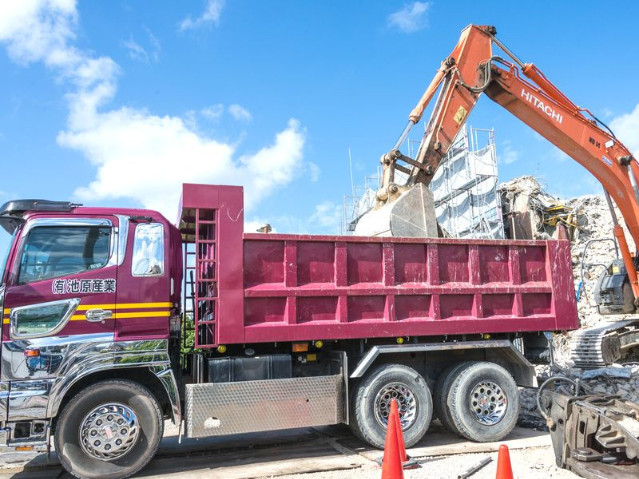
[[273, 288], [304, 287]]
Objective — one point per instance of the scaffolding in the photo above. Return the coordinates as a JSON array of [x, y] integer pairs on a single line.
[[361, 200], [467, 203]]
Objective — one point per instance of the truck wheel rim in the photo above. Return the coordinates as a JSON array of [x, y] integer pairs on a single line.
[[488, 403], [109, 431], [406, 404]]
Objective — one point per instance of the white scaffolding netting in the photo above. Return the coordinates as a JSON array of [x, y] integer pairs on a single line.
[[467, 204]]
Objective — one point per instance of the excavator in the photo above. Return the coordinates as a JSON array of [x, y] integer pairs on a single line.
[[403, 204], [591, 434]]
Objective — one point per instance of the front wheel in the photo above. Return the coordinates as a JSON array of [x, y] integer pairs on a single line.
[[372, 402], [110, 430]]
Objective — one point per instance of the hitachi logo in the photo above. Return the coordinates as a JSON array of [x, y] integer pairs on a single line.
[[548, 110]]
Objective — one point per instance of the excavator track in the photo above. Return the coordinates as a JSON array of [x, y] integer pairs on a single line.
[[603, 345]]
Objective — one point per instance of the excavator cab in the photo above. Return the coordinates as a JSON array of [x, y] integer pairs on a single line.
[[613, 293]]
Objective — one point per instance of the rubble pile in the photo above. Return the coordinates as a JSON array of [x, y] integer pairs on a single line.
[[594, 237], [530, 212]]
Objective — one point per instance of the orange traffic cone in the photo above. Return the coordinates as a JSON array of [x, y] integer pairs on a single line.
[[504, 470], [398, 430], [392, 463], [407, 462]]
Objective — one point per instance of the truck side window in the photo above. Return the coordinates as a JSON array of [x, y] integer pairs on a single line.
[[148, 250], [54, 251]]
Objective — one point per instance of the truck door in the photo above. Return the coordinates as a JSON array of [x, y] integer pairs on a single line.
[[144, 297], [61, 289]]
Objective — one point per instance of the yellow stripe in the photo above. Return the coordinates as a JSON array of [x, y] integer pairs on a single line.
[[143, 314], [146, 314], [143, 305], [84, 307]]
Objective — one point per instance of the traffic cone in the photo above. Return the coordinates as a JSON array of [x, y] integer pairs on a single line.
[[392, 463], [398, 430], [407, 462], [504, 470]]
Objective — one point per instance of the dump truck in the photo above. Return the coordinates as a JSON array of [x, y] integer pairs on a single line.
[[115, 320]]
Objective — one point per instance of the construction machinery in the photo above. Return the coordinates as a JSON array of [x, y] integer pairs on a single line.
[[521, 88], [593, 435]]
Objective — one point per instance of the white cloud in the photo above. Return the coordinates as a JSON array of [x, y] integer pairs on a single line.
[[240, 113], [626, 128], [210, 16], [38, 30], [213, 112], [137, 154], [136, 51], [139, 53], [327, 217], [314, 171], [156, 46], [147, 157], [411, 18], [509, 154]]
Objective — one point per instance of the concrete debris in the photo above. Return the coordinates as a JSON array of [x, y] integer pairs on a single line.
[[524, 201], [532, 213], [618, 372], [619, 380]]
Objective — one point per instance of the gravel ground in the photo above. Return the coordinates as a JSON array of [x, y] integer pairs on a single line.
[[531, 463]]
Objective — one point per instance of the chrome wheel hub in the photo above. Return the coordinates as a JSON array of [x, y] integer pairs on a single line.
[[406, 404], [488, 403], [109, 431]]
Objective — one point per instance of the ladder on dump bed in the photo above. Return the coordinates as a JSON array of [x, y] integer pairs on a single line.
[[201, 276]]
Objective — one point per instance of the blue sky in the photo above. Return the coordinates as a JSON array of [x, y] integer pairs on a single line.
[[118, 102]]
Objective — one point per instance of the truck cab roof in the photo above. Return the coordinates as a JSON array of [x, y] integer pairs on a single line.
[[12, 211], [19, 207]]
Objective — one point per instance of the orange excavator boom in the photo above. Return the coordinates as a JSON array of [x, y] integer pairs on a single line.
[[472, 69]]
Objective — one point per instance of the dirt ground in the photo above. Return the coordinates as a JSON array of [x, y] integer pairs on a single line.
[[330, 452], [530, 463]]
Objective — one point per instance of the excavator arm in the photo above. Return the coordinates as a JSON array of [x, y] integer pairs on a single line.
[[524, 91]]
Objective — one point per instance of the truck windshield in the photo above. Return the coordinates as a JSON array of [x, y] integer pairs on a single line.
[[54, 251]]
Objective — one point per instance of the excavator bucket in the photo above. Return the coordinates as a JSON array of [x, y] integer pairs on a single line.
[[412, 215]]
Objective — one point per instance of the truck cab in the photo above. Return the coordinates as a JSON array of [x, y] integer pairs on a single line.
[[85, 292]]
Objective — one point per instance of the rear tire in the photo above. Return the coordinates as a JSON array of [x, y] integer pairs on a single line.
[[371, 404], [110, 430], [483, 402], [442, 390]]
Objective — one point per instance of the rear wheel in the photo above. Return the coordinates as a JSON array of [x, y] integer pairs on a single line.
[[483, 402], [110, 430], [372, 402], [442, 390]]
